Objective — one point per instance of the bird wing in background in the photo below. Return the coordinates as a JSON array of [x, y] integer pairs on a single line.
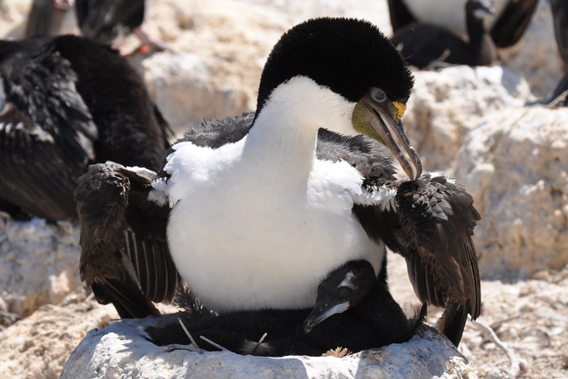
[[47, 135], [37, 174], [430, 223], [125, 256], [512, 22], [400, 16]]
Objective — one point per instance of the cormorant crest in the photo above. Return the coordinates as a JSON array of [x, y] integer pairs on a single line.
[[346, 55]]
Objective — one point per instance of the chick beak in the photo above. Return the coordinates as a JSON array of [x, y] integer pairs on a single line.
[[320, 313], [381, 121]]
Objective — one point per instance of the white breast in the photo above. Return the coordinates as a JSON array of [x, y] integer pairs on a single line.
[[242, 240]]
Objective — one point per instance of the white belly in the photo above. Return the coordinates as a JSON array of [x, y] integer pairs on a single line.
[[247, 244]]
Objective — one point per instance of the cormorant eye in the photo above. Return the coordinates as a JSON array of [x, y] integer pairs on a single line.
[[378, 95], [343, 292]]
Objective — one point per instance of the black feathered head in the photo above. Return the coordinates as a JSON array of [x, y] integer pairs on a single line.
[[346, 55]]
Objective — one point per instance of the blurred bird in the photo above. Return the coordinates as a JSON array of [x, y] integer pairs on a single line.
[[43, 15], [100, 20], [507, 25], [559, 10], [423, 44], [69, 102]]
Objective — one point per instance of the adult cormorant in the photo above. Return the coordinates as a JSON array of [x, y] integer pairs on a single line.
[[257, 210]]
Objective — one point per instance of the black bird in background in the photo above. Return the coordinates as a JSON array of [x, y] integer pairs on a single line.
[[99, 20], [421, 44], [69, 102], [508, 25], [43, 14], [559, 10]]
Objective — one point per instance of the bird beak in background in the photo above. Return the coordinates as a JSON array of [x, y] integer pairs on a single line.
[[381, 121]]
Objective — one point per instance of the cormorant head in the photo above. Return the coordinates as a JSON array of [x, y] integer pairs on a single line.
[[354, 60], [343, 288]]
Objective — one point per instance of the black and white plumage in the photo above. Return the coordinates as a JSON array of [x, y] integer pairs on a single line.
[[507, 26], [421, 44], [352, 311], [100, 20], [258, 210], [69, 102]]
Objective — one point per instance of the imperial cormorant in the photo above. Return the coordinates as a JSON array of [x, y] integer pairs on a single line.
[[257, 210]]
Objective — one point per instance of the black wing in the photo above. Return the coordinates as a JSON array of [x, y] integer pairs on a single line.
[[42, 84], [37, 174], [400, 16], [48, 133], [431, 226], [560, 15], [131, 130], [124, 257], [512, 22]]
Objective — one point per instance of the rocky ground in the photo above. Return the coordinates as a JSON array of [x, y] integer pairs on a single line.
[[471, 123]]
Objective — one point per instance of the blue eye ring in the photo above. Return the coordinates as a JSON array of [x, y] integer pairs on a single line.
[[378, 95]]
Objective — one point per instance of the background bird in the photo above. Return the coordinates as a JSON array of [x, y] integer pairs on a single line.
[[507, 25], [560, 16], [422, 44], [69, 102]]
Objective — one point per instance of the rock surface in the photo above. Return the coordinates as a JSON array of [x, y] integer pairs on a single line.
[[121, 351], [39, 264], [515, 164], [447, 103], [38, 346]]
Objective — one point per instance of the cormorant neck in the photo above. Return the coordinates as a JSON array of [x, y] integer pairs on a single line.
[[482, 48], [284, 134]]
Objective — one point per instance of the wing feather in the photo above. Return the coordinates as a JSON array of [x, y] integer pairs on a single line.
[[432, 227], [512, 22], [123, 239], [36, 173]]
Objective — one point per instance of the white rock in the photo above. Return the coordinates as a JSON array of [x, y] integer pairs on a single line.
[[446, 104], [515, 164], [38, 346], [183, 88], [119, 351], [38, 263]]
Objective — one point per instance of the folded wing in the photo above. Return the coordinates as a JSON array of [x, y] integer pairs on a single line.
[[430, 225], [125, 257]]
